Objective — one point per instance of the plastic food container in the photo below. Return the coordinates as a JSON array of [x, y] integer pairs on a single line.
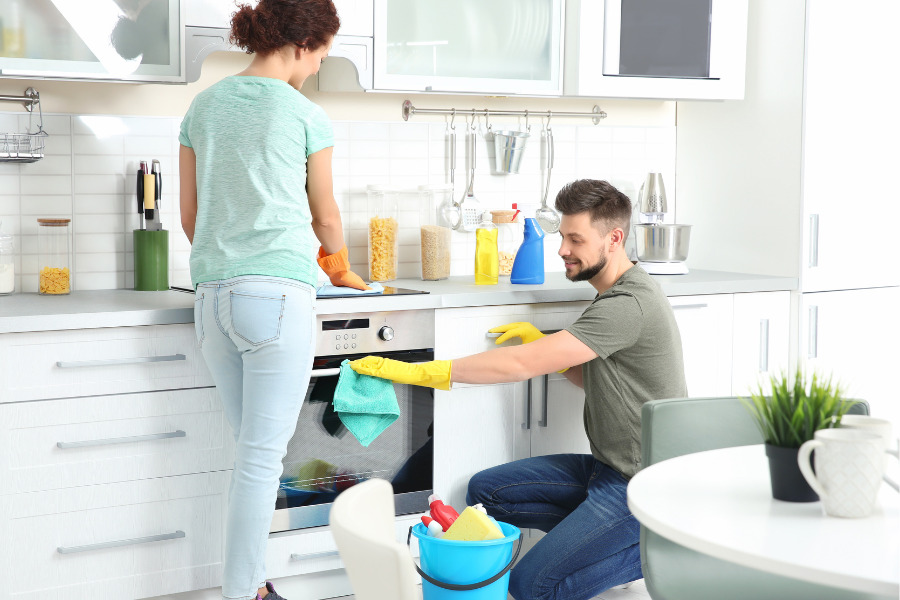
[[7, 264], [55, 255], [434, 231], [383, 242]]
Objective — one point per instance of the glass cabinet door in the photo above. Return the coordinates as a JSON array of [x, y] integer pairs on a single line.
[[131, 40], [494, 46]]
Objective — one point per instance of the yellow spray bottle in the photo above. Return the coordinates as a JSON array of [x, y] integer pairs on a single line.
[[487, 261]]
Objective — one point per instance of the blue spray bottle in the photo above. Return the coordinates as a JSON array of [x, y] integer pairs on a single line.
[[528, 267]]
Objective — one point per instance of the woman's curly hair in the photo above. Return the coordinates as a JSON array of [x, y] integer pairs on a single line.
[[276, 23]]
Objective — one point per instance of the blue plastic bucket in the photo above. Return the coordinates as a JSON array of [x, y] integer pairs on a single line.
[[454, 570]]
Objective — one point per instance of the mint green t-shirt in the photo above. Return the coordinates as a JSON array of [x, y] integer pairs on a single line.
[[251, 137]]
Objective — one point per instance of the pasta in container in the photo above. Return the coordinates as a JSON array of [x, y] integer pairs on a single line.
[[54, 277], [383, 238]]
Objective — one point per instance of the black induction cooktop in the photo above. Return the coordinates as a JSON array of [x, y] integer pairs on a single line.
[[388, 291]]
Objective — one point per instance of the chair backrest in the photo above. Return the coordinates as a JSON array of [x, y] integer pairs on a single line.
[[679, 426], [362, 523]]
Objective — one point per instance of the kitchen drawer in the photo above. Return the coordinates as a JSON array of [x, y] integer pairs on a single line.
[[103, 541], [86, 362], [313, 550], [52, 444]]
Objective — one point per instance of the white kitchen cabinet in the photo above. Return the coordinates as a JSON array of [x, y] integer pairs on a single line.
[[127, 540], [500, 47], [638, 50], [761, 343], [481, 426], [73, 442], [62, 40], [86, 362], [852, 335], [706, 339], [845, 161]]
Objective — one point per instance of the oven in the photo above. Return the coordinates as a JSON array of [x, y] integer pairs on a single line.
[[323, 458]]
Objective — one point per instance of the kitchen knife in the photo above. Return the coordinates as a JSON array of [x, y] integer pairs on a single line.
[[140, 193], [157, 182]]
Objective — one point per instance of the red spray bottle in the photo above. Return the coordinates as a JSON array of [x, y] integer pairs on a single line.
[[440, 512]]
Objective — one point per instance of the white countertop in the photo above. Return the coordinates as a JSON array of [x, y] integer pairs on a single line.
[[719, 502], [122, 308]]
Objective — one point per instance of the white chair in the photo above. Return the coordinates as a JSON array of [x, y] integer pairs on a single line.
[[379, 566]]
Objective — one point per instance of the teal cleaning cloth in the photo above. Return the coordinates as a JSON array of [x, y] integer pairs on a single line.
[[366, 405], [326, 290]]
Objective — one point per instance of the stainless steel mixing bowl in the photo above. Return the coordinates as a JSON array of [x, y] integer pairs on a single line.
[[662, 243]]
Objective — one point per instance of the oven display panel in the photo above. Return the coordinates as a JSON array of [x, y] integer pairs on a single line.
[[344, 324]]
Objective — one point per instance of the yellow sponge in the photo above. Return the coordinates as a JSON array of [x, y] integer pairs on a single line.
[[472, 526]]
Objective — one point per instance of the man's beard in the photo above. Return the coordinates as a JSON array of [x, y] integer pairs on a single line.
[[588, 273]]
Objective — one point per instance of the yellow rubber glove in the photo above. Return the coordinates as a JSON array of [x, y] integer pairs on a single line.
[[522, 330], [337, 267], [434, 374]]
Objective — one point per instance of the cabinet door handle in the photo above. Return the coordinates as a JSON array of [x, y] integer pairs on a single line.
[[813, 240], [119, 361], [543, 421], [116, 543], [527, 424], [763, 345], [307, 556], [813, 341], [122, 440], [688, 306]]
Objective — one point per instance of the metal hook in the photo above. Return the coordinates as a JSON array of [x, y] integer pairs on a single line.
[[527, 124], [549, 114], [452, 118], [487, 121], [474, 117]]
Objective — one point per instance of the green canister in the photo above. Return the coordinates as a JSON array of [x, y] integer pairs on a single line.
[[151, 260]]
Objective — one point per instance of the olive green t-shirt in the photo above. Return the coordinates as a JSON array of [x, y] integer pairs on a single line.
[[251, 137], [632, 329]]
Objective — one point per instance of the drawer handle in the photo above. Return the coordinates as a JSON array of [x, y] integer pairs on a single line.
[[315, 555], [116, 543], [119, 361], [687, 306], [122, 440], [544, 331]]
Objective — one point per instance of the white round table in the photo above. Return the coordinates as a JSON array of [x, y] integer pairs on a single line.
[[720, 503]]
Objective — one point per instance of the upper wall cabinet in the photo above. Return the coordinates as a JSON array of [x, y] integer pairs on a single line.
[[496, 47], [670, 49], [123, 40]]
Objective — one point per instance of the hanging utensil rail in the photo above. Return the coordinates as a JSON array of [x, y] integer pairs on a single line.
[[408, 109], [24, 147]]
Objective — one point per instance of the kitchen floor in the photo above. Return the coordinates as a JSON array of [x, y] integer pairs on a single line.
[[637, 591]]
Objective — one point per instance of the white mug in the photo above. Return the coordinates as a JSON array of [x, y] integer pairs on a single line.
[[880, 427], [849, 470]]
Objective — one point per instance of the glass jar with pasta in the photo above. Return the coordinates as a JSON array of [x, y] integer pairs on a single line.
[[384, 232], [509, 237], [55, 256]]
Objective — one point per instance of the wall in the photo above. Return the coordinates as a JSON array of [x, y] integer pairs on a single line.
[[100, 131]]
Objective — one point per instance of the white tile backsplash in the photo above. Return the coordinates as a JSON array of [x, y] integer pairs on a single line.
[[88, 175]]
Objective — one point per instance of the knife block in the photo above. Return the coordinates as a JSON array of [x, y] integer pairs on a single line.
[[151, 260]]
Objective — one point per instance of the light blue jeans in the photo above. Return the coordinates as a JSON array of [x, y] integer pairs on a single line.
[[592, 541], [256, 335]]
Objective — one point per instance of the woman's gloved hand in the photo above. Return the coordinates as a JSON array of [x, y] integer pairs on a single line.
[[523, 330], [434, 374], [337, 267]]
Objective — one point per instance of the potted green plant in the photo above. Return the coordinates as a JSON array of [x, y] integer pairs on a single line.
[[788, 416]]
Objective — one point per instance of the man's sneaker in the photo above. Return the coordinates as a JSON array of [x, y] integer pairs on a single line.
[[272, 595]]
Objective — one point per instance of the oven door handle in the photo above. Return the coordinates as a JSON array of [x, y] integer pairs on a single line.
[[337, 371]]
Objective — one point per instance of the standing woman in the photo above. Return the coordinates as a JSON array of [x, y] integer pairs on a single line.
[[256, 201]]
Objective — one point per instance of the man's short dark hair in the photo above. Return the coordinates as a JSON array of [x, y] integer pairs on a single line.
[[607, 205]]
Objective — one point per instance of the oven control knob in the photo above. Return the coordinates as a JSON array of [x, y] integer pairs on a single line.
[[386, 333]]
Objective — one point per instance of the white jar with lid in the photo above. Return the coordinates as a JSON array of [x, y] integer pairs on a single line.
[[7, 264]]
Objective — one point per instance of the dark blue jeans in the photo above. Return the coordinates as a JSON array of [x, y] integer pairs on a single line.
[[591, 541]]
